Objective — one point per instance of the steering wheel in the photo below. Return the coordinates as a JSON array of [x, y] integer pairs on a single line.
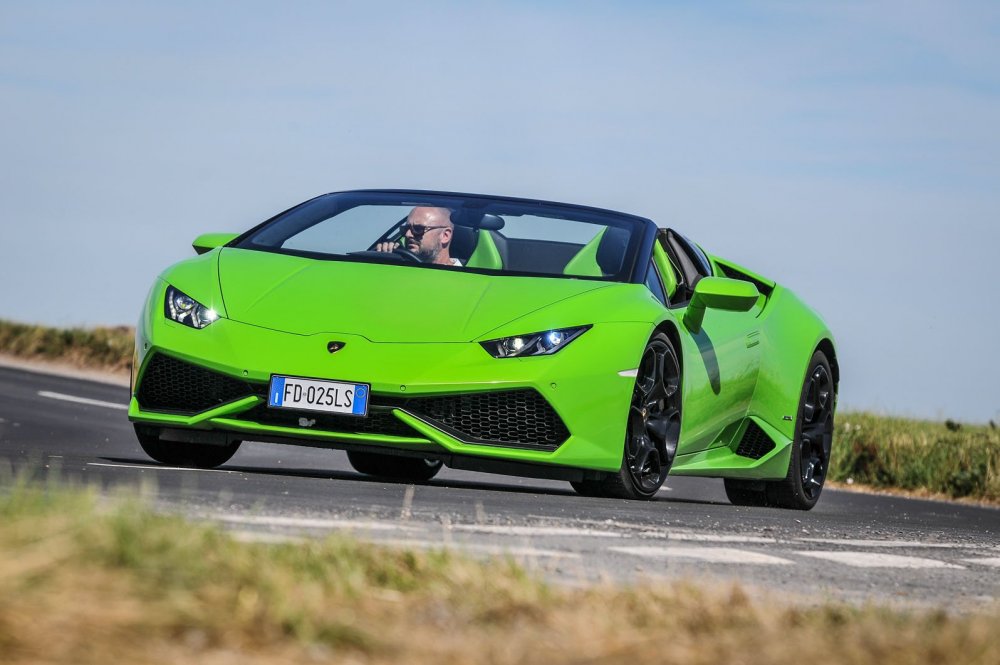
[[407, 254]]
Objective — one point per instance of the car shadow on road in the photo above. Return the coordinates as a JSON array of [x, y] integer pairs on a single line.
[[352, 476]]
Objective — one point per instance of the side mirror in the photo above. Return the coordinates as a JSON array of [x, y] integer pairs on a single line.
[[206, 242], [733, 295]]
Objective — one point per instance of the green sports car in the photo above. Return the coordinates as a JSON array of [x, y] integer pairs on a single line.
[[416, 329]]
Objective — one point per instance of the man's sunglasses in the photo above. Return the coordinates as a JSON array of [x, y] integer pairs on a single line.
[[420, 229]]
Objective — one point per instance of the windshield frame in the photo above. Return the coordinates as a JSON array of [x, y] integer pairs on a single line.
[[642, 230]]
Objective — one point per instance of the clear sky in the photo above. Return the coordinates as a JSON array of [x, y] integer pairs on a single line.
[[848, 149]]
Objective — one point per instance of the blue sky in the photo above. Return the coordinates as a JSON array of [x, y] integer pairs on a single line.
[[850, 150]]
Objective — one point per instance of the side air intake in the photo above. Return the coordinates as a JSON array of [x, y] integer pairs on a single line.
[[755, 443]]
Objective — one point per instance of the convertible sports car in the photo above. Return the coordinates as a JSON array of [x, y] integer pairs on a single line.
[[415, 329]]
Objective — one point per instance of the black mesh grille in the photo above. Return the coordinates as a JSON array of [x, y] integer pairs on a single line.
[[755, 443], [378, 421], [513, 418], [169, 384]]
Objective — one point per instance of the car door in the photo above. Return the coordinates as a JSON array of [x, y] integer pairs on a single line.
[[720, 362]]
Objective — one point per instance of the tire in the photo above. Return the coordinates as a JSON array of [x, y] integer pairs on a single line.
[[175, 453], [810, 459], [413, 469], [652, 428], [746, 492]]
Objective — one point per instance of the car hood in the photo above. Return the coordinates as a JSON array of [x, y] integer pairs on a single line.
[[384, 303]]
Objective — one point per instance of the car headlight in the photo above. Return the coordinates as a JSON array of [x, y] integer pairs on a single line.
[[182, 308], [533, 344]]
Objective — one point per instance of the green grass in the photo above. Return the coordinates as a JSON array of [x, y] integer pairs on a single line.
[[85, 582], [948, 459], [98, 348]]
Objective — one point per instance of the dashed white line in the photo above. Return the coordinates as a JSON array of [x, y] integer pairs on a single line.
[[158, 468], [82, 400], [311, 523], [716, 538], [263, 537], [879, 560], [885, 543], [708, 554], [478, 547], [512, 530]]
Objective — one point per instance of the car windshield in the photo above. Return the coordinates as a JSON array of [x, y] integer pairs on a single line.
[[459, 232]]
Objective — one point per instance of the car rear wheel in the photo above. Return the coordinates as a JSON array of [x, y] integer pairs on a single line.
[[810, 461], [652, 430], [413, 469], [175, 453]]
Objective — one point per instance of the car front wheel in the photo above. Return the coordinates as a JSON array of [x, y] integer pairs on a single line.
[[652, 430], [413, 469], [175, 453]]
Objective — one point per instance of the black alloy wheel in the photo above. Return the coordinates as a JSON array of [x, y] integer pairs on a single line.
[[652, 430], [176, 453], [413, 469], [811, 448]]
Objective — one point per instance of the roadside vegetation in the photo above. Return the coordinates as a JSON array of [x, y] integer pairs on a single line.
[[96, 348], [947, 459], [83, 581]]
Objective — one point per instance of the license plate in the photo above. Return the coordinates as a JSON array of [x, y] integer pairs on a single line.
[[291, 392]]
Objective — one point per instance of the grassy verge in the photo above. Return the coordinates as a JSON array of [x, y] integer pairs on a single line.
[[97, 348], [947, 459], [79, 585]]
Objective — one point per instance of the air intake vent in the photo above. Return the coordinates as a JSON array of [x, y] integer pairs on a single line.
[[510, 418], [755, 443], [169, 384]]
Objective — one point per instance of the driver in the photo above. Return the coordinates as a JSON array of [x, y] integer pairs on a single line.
[[428, 235]]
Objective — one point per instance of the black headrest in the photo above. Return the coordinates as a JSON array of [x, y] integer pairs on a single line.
[[463, 242], [611, 251]]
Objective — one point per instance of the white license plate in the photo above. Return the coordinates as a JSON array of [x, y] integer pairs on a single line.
[[292, 392]]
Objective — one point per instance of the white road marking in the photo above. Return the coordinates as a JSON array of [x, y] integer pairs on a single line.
[[989, 561], [879, 560], [311, 523], [715, 538], [406, 511], [263, 537], [83, 400], [534, 530], [478, 547], [885, 543], [158, 467], [709, 554]]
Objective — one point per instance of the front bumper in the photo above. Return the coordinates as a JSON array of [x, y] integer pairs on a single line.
[[567, 410]]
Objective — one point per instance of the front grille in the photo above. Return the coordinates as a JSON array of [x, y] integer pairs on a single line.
[[169, 384], [378, 421], [755, 443], [512, 418]]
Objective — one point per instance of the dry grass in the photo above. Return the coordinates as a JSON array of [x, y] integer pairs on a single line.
[[95, 348], [79, 585]]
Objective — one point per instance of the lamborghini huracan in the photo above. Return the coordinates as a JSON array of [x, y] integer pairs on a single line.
[[416, 329]]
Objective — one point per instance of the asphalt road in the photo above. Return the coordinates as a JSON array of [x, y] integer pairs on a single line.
[[852, 546]]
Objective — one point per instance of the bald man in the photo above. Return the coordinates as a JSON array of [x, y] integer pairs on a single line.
[[428, 235]]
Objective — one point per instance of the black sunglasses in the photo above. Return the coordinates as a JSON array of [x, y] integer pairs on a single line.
[[420, 229]]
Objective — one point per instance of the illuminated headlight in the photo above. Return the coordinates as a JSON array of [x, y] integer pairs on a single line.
[[533, 344], [182, 308]]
